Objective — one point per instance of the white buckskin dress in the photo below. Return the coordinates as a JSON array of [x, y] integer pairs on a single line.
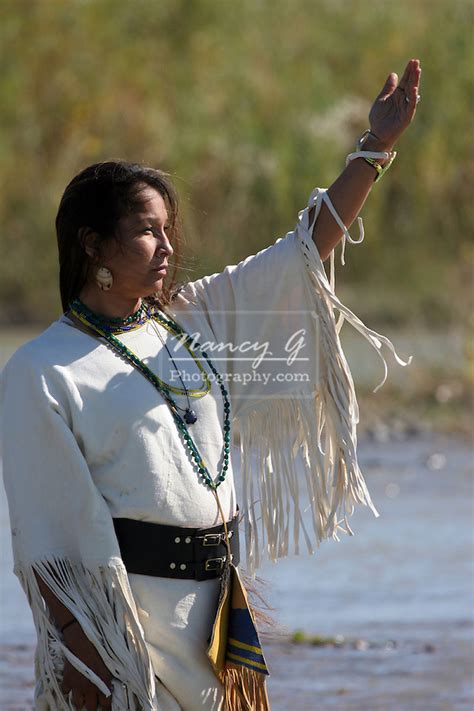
[[87, 438]]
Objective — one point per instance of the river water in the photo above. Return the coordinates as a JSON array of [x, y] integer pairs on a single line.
[[397, 596]]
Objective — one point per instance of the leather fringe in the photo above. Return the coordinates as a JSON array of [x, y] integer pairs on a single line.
[[100, 599], [244, 689]]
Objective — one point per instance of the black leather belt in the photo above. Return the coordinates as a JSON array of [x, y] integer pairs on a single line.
[[174, 552]]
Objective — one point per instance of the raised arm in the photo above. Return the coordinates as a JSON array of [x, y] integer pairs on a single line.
[[391, 113]]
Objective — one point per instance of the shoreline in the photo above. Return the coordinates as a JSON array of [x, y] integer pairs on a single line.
[[356, 675]]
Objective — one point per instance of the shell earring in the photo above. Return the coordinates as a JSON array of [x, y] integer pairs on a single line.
[[104, 278]]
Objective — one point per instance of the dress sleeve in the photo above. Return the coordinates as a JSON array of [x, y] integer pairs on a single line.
[[297, 417], [62, 530]]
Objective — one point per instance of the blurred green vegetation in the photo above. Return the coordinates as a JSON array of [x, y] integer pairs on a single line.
[[248, 105]]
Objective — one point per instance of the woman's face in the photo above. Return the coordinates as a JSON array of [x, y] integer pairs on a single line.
[[138, 258]]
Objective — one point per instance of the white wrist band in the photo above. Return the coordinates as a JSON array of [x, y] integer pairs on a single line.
[[368, 154]]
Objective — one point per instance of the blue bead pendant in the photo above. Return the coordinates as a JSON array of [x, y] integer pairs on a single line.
[[190, 417]]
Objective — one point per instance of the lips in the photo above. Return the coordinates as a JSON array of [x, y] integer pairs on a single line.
[[162, 269]]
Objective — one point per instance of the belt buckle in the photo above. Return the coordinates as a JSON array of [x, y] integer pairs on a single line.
[[219, 564], [212, 539]]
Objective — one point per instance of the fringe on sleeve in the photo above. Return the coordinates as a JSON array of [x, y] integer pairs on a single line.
[[102, 603], [299, 454]]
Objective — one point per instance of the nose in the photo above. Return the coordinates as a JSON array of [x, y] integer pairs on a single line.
[[164, 245]]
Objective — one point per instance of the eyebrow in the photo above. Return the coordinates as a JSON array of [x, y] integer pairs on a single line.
[[143, 217]]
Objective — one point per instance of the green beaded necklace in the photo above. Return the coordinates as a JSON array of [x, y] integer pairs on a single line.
[[79, 310]]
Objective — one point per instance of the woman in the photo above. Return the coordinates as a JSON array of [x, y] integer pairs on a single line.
[[117, 432]]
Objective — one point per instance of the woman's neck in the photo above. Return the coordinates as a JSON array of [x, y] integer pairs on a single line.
[[109, 304]]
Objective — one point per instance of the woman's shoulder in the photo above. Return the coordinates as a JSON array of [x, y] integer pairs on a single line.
[[48, 348]]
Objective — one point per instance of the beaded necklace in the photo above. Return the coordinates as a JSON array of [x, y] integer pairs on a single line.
[[190, 416], [88, 318], [115, 326]]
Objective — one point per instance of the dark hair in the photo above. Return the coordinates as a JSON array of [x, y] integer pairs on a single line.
[[97, 198]]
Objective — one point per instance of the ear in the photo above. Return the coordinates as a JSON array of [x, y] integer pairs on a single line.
[[90, 242]]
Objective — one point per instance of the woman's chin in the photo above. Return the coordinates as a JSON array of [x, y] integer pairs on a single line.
[[155, 288]]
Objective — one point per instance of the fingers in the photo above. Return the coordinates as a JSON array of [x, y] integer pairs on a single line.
[[411, 76], [78, 698], [84, 693], [412, 100], [389, 86], [105, 703], [91, 702], [405, 76], [66, 684], [415, 76], [412, 88], [408, 89]]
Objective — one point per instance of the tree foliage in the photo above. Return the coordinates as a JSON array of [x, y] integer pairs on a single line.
[[248, 105]]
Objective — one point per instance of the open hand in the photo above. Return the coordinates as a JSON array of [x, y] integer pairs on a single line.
[[395, 106], [84, 693]]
